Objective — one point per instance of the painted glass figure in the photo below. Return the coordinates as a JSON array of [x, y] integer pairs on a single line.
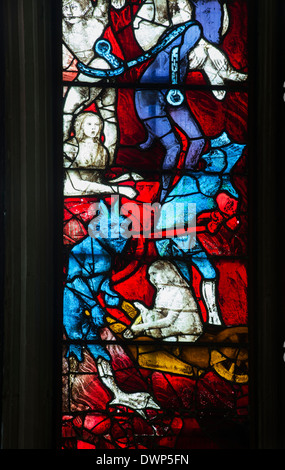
[[154, 150]]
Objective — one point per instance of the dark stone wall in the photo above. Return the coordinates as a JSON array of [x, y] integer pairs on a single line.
[[32, 206], [266, 252]]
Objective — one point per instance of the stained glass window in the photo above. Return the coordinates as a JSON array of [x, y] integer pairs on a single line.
[[155, 160]]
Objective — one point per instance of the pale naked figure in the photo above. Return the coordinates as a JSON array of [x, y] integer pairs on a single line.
[[83, 24], [85, 159], [174, 315]]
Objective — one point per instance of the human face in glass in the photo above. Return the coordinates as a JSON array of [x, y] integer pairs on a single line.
[[91, 127], [74, 10]]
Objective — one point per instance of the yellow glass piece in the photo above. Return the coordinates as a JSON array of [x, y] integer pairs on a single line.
[[228, 368], [128, 308], [137, 320], [163, 361], [115, 326]]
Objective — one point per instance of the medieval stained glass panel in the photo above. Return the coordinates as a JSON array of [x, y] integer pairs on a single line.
[[155, 311]]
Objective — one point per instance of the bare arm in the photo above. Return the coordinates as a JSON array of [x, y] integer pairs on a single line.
[[81, 186], [165, 322]]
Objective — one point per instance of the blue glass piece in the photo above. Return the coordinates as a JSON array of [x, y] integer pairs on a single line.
[[76, 351], [111, 297], [209, 13], [82, 316], [216, 161], [187, 185], [234, 152], [204, 266], [103, 49], [209, 186], [159, 70], [228, 187], [82, 256], [88, 274], [98, 351], [97, 314], [183, 268], [183, 258], [175, 97], [200, 189], [165, 41], [221, 140], [196, 197]]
